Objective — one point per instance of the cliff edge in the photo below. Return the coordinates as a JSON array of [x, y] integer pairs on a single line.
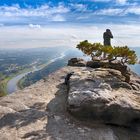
[[39, 112]]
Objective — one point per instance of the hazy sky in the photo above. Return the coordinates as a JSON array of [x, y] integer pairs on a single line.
[[44, 23]]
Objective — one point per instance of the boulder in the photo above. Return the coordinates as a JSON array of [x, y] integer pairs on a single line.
[[101, 94], [125, 71], [77, 62]]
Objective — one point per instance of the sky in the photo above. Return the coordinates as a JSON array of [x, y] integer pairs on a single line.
[[47, 23]]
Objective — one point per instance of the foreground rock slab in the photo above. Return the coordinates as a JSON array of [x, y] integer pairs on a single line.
[[101, 94], [39, 113]]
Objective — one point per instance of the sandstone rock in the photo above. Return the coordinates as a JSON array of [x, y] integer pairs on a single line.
[[77, 62], [57, 118], [125, 70], [101, 95], [93, 64], [122, 84], [39, 112]]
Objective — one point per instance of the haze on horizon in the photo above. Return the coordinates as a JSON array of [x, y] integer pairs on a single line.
[[43, 23]]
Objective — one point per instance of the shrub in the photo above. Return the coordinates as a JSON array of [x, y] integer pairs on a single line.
[[96, 50]]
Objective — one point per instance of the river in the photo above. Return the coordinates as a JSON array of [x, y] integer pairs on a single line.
[[12, 84]]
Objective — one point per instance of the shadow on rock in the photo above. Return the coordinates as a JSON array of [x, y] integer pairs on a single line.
[[59, 125], [62, 126], [23, 117]]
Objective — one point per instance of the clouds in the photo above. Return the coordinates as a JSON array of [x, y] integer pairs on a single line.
[[110, 12], [116, 1], [101, 1], [81, 11], [68, 36], [78, 7], [58, 18], [135, 10], [34, 26], [71, 11], [121, 1], [77, 20], [1, 24], [50, 13]]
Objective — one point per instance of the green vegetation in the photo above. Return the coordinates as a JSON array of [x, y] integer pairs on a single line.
[[3, 84], [16, 61], [4, 80], [98, 51]]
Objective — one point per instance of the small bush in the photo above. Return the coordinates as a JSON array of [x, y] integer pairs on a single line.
[[96, 50]]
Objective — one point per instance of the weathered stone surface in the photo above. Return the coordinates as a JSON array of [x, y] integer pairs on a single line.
[[102, 95], [125, 70], [93, 64], [77, 62], [39, 113]]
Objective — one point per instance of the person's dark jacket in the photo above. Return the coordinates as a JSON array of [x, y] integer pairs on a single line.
[[107, 36]]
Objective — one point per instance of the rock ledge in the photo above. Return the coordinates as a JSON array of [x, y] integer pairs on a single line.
[[101, 94]]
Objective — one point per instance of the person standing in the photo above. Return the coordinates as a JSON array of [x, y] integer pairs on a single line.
[[107, 37]]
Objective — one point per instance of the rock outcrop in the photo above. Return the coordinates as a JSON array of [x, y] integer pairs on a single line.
[[39, 112], [125, 71], [102, 95], [77, 62]]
